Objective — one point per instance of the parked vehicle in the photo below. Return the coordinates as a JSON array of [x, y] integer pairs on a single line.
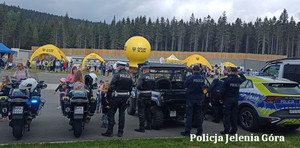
[[80, 105], [23, 104], [288, 68], [269, 100], [169, 95]]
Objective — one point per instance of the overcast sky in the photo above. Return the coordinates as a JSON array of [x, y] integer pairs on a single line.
[[99, 10]]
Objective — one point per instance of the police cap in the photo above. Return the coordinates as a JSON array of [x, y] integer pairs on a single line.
[[233, 69], [121, 65], [196, 68]]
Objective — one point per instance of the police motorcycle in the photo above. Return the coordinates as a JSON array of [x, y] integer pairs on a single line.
[[80, 105], [23, 104]]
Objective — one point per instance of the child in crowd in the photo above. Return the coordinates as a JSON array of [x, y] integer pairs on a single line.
[[104, 104], [78, 81], [103, 90], [62, 90], [4, 92], [105, 108], [101, 85]]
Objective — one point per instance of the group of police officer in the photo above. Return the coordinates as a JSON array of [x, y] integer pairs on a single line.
[[121, 87], [118, 94], [224, 92]]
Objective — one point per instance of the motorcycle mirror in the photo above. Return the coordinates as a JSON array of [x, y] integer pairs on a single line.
[[44, 86]]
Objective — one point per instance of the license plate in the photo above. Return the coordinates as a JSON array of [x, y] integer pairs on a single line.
[[294, 111], [78, 110], [18, 110], [172, 113]]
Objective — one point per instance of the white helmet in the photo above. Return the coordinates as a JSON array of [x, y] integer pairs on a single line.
[[29, 83], [91, 79]]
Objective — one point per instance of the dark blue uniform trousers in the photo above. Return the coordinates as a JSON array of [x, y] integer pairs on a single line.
[[114, 104], [192, 105], [230, 113]]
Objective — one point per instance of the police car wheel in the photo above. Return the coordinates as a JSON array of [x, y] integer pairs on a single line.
[[248, 119], [130, 106], [157, 117]]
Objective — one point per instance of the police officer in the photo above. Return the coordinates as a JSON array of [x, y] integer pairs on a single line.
[[231, 89], [194, 99], [118, 93], [145, 85], [215, 92]]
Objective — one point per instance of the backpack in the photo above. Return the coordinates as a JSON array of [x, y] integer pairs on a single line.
[[217, 90]]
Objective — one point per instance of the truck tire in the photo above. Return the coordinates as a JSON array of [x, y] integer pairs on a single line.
[[157, 117], [131, 106], [77, 125], [248, 119], [18, 128], [163, 83]]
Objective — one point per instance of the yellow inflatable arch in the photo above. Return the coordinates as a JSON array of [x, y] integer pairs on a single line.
[[48, 49], [92, 55]]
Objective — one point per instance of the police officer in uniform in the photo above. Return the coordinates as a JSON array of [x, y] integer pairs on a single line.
[[118, 93], [231, 87], [194, 99], [145, 85], [215, 92]]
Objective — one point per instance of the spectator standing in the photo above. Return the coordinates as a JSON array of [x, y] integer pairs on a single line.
[[21, 73], [57, 66], [65, 65], [2, 64], [72, 73]]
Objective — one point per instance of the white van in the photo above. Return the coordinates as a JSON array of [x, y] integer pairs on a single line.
[[288, 68]]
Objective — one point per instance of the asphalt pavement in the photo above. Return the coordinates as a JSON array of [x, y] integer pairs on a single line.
[[52, 126]]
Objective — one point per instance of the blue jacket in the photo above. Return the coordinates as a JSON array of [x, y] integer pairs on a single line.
[[231, 86], [194, 85]]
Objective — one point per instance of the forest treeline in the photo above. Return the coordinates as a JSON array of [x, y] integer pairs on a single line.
[[21, 28]]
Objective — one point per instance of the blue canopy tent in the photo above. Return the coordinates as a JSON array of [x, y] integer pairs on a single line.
[[4, 50]]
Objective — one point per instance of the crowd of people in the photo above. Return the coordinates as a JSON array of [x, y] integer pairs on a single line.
[[103, 68], [52, 65], [55, 65]]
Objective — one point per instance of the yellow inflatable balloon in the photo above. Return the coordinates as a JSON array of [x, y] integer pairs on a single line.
[[137, 50]]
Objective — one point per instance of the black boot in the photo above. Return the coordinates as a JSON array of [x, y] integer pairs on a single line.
[[232, 132], [107, 134], [140, 130], [223, 132], [120, 134], [185, 133], [148, 127], [199, 133]]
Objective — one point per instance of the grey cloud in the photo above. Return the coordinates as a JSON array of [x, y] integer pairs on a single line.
[[99, 10]]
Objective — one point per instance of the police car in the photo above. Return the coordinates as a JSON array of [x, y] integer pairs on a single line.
[[269, 100]]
